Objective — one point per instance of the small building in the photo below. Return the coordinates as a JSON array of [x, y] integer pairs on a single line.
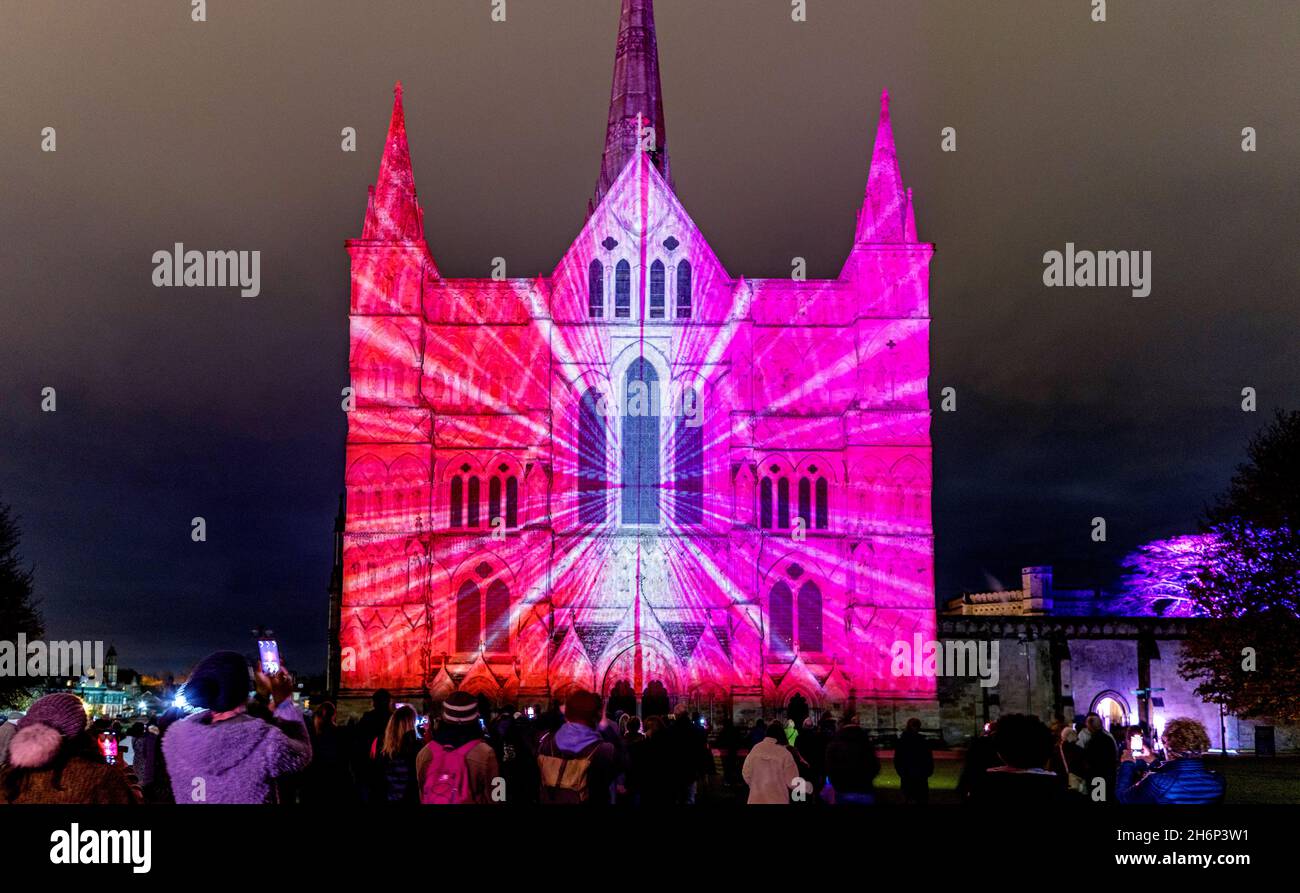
[[1067, 653]]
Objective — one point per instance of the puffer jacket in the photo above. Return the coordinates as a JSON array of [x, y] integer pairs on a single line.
[[1183, 781], [236, 760]]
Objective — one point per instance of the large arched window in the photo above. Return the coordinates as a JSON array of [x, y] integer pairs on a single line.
[[497, 618], [765, 504], [809, 609], [641, 445], [591, 460], [780, 610], [805, 503], [823, 504], [596, 289], [657, 290], [472, 507], [689, 449], [684, 290], [456, 503], [623, 290], [469, 612]]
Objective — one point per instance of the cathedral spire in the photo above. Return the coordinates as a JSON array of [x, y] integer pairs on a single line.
[[636, 96], [393, 213], [882, 218]]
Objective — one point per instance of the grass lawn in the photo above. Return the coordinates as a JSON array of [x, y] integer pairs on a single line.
[[1262, 780]]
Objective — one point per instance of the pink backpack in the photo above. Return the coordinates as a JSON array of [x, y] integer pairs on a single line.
[[446, 778]]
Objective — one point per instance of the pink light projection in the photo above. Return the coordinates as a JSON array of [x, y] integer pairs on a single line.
[[606, 475]]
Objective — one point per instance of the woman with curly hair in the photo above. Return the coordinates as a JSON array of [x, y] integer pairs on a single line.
[[1183, 779]]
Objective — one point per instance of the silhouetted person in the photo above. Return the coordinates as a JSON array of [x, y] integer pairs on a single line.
[[914, 763], [851, 766], [1025, 745]]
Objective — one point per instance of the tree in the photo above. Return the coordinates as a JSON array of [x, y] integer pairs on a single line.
[[1248, 587], [18, 613]]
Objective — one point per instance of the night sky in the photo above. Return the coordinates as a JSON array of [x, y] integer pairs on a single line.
[[172, 403]]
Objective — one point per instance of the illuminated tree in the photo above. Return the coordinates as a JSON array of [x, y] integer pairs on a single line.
[[1248, 588]]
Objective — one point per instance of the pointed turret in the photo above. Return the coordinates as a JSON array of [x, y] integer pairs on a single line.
[[393, 213], [884, 207], [909, 231], [636, 98]]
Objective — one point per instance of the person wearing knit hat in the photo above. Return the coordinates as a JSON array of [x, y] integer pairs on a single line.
[[461, 707], [52, 759], [225, 755], [457, 750]]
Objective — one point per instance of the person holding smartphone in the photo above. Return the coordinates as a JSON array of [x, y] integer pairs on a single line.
[[54, 759], [222, 754]]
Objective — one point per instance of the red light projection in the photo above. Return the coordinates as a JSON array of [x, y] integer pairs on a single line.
[[639, 469]]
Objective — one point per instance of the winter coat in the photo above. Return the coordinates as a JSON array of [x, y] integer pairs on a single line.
[[912, 757], [237, 759], [851, 762], [1184, 781], [83, 779], [397, 773], [769, 770]]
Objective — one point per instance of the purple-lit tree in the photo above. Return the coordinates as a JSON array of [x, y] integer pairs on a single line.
[[1160, 574], [1248, 584]]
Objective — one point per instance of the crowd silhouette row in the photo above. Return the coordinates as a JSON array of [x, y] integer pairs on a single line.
[[233, 748]]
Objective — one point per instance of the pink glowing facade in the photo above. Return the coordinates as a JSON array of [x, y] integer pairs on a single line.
[[639, 469]]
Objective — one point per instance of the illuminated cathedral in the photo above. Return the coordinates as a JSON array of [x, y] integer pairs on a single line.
[[640, 474]]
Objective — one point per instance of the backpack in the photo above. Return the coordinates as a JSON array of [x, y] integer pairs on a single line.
[[564, 779], [446, 778]]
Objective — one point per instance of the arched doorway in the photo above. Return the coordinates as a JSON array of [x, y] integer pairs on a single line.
[[1112, 708], [656, 670]]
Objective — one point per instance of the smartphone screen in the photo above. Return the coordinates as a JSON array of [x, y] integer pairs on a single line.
[[108, 747], [1135, 742], [268, 654]]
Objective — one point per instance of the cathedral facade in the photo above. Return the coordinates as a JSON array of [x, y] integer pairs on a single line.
[[641, 474]]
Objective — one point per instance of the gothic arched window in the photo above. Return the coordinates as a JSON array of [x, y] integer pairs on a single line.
[[469, 611], [805, 503], [472, 509], [765, 504], [657, 290], [783, 503], [591, 460], [809, 609], [684, 290], [497, 618], [641, 445], [823, 504], [623, 290], [689, 483], [494, 500], [780, 611], [596, 289], [456, 502], [512, 501]]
